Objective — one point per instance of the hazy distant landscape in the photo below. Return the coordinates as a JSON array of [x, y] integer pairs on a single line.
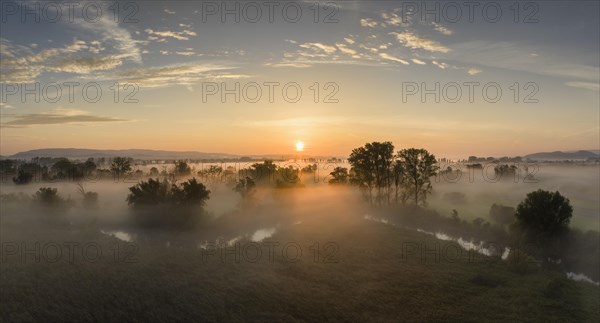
[[253, 212], [299, 161]]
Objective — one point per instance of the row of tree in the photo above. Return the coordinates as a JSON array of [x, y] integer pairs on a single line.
[[386, 176]]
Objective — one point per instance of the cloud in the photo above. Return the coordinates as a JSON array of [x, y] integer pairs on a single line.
[[368, 22], [20, 64], [344, 49], [414, 41], [169, 11], [443, 30], [112, 46], [185, 53], [392, 19], [473, 71], [349, 40], [86, 65], [289, 64], [5, 105], [440, 65], [585, 85], [418, 61], [392, 58], [56, 116], [370, 49], [162, 36], [178, 74], [513, 56], [319, 47], [112, 33]]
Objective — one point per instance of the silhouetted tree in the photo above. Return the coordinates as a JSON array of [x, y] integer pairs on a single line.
[[544, 212], [155, 192], [262, 173], [245, 186], [182, 168], [120, 166], [371, 165], [399, 181], [23, 177], [339, 176], [28, 171], [149, 192], [419, 166], [190, 193], [90, 199]]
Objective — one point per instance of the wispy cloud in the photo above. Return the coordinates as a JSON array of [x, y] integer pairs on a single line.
[[319, 47], [392, 58], [414, 41], [21, 65], [443, 30], [368, 22], [585, 85], [161, 36], [111, 33], [178, 74], [55, 117], [5, 105], [473, 71]]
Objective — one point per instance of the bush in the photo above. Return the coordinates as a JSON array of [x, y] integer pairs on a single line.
[[23, 177], [544, 212], [164, 203], [50, 200], [90, 199], [48, 196], [152, 192]]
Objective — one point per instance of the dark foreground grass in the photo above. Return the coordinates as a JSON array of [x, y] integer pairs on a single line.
[[361, 276]]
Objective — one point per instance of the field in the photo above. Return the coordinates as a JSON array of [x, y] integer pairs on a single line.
[[361, 271]]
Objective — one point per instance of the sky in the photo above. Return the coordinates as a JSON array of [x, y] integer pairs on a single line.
[[495, 79]]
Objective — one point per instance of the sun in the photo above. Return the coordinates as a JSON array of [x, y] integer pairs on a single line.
[[299, 146]]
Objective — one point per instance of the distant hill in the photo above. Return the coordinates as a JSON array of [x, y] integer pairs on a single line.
[[144, 154], [561, 155]]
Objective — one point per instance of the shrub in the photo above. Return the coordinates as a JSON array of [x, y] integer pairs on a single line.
[[544, 212], [164, 203]]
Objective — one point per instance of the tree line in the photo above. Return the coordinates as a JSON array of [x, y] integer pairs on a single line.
[[387, 177]]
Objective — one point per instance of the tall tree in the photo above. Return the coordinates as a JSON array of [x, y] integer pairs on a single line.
[[120, 166], [544, 212], [399, 181], [419, 166], [339, 176], [371, 166], [182, 168]]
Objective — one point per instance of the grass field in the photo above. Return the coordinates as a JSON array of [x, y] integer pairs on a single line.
[[360, 276]]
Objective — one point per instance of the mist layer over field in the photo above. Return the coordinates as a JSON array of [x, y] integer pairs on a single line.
[[328, 248], [470, 192], [477, 192]]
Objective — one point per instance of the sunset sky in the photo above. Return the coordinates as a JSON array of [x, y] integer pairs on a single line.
[[361, 58]]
